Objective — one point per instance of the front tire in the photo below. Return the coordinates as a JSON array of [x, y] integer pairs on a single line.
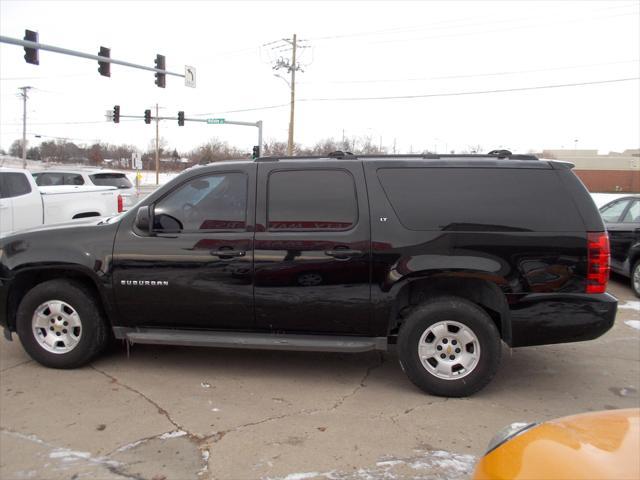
[[635, 278], [449, 347], [60, 324]]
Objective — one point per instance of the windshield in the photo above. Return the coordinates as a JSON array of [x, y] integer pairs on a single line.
[[119, 180]]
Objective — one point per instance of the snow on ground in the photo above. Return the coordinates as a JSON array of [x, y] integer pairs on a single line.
[[426, 465]]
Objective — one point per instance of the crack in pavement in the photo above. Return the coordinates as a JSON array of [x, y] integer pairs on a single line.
[[362, 383], [160, 410], [197, 440], [204, 443]]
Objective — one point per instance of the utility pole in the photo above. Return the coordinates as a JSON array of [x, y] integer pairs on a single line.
[[24, 125], [293, 95], [291, 66], [157, 147]]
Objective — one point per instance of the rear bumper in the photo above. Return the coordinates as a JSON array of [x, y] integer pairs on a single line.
[[541, 319]]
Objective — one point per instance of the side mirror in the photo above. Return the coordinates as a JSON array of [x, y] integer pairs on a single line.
[[143, 219]]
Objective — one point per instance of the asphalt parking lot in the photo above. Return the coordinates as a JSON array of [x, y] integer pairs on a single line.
[[166, 413]]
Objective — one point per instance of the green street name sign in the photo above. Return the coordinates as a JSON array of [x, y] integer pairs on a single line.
[[215, 121]]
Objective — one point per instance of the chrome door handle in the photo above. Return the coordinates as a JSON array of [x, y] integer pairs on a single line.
[[228, 253], [342, 253]]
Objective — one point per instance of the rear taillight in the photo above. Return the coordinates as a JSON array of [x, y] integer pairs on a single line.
[[120, 204], [597, 262]]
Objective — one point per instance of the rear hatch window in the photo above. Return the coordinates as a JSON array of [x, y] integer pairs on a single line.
[[119, 180]]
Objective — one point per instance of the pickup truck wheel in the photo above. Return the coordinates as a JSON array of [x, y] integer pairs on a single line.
[[60, 325], [635, 278], [449, 347]]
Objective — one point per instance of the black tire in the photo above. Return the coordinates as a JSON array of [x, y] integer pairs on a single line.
[[94, 328], [472, 317], [635, 272]]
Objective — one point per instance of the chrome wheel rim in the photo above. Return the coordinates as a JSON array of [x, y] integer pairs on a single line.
[[449, 350], [56, 326], [636, 278]]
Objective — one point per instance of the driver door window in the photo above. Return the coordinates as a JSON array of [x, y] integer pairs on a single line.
[[212, 202]]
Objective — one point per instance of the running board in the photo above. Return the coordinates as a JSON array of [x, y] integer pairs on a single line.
[[263, 341]]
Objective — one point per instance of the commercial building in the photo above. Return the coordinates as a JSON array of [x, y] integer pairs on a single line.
[[611, 173]]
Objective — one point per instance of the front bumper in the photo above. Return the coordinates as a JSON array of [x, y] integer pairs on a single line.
[[546, 318]]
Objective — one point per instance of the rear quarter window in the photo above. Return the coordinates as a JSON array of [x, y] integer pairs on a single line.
[[119, 180], [480, 199]]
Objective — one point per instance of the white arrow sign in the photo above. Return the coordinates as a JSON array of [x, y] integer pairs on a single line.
[[189, 76]]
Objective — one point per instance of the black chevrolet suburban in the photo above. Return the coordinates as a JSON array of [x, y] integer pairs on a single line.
[[445, 256]]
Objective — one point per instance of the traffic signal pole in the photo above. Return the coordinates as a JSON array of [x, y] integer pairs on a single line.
[[216, 121], [157, 147], [103, 60]]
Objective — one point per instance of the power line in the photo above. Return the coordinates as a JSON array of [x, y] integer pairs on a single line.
[[472, 75], [476, 92], [253, 109], [428, 95], [475, 21]]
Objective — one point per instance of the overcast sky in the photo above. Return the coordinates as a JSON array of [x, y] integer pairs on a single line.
[[357, 49]]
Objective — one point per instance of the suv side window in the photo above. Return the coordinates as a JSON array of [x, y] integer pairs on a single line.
[[13, 184], [49, 179], [633, 214], [612, 212], [480, 199], [311, 200], [210, 202]]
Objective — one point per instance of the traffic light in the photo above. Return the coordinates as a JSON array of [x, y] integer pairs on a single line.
[[147, 117], [116, 114], [256, 152], [181, 119], [31, 54], [104, 68], [160, 77]]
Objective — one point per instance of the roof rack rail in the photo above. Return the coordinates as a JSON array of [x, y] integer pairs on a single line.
[[501, 153], [340, 154]]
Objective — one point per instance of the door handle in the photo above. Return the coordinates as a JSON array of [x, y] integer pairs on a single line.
[[342, 253], [228, 253]]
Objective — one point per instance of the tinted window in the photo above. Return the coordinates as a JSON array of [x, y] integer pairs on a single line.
[[13, 184], [73, 179], [311, 200], [48, 179], [611, 212], [480, 199], [633, 214], [212, 202], [119, 180]]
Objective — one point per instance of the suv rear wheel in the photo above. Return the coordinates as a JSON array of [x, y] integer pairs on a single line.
[[60, 325], [449, 347], [635, 278]]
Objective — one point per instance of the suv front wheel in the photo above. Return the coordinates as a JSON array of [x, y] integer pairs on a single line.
[[449, 347], [60, 324]]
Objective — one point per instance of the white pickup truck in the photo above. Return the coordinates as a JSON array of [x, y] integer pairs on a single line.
[[24, 205]]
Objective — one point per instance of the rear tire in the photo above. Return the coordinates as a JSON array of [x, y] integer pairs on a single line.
[[60, 325], [449, 347]]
